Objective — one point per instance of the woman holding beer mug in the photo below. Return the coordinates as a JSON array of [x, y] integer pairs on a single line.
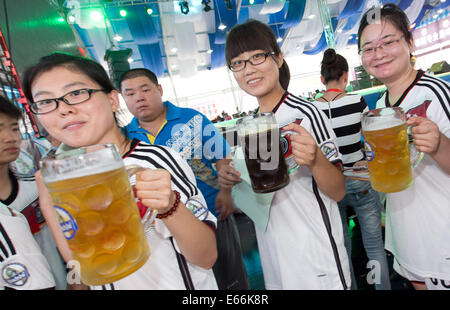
[[303, 246], [75, 101], [417, 218], [344, 112]]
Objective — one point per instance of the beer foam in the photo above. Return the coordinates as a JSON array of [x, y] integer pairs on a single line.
[[383, 124], [78, 170], [256, 129]]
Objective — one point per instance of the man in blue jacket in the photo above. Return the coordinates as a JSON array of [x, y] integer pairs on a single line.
[[190, 133]]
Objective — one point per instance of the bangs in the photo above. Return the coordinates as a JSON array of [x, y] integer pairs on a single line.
[[249, 37]]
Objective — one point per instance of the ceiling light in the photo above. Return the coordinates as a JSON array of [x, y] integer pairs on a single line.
[[184, 7], [117, 38], [96, 16], [222, 26], [149, 11], [205, 3], [123, 13]]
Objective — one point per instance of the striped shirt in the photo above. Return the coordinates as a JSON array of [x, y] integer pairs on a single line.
[[418, 218], [345, 117]]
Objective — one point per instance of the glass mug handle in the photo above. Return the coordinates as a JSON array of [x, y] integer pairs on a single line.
[[150, 214], [286, 147], [415, 155]]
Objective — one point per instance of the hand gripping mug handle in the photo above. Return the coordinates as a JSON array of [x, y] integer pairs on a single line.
[[150, 214], [286, 146], [415, 155]]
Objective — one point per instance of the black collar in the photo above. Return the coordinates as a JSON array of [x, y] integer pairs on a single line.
[[15, 189], [419, 75]]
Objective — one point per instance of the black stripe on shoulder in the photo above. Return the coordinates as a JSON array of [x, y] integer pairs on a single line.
[[441, 100], [317, 122], [145, 157], [7, 239], [442, 85], [442, 82], [191, 185], [314, 110]]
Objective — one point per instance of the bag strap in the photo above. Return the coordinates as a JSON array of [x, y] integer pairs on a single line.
[[184, 269]]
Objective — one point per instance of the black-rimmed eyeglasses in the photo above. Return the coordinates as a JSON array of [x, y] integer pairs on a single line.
[[71, 98], [256, 59]]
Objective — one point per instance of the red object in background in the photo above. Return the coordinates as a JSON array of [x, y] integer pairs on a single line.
[[82, 51], [9, 63]]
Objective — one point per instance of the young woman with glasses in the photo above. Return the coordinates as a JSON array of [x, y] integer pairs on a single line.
[[75, 101], [418, 218], [303, 245]]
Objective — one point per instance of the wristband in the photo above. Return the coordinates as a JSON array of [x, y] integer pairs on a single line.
[[174, 207]]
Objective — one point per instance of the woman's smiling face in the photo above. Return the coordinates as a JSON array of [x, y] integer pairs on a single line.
[[391, 58], [258, 80], [87, 123]]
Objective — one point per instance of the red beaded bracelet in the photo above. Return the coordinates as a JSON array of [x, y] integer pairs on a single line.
[[174, 207]]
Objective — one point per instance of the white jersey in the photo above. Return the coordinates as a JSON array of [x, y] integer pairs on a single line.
[[297, 250], [418, 218], [22, 265], [161, 271], [24, 199]]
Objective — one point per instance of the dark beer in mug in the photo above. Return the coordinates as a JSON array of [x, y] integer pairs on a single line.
[[264, 156]]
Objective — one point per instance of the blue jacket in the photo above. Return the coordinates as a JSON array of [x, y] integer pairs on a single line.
[[190, 133]]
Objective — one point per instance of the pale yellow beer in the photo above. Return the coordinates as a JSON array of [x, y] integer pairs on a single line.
[[99, 218], [388, 158]]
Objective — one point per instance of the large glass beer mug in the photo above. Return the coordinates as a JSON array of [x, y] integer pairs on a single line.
[[97, 212], [259, 137], [388, 151]]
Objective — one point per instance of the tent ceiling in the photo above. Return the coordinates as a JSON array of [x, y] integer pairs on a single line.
[[171, 42]]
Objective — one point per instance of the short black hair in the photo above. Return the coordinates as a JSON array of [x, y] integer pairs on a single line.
[[9, 109], [333, 66], [90, 68], [138, 72], [389, 12]]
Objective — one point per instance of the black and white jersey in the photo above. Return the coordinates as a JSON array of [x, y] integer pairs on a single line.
[[22, 265], [418, 218], [303, 245], [161, 271], [345, 117]]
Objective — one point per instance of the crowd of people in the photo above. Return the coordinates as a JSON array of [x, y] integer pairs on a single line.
[[306, 244]]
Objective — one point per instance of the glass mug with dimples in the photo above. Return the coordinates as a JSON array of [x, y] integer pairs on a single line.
[[97, 211], [390, 153]]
